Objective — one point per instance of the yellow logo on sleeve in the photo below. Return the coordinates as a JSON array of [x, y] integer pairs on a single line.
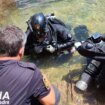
[[46, 83]]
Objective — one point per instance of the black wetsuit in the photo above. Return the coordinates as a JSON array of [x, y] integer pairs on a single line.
[[58, 36], [95, 51]]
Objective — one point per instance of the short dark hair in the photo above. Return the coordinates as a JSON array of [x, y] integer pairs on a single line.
[[12, 38]]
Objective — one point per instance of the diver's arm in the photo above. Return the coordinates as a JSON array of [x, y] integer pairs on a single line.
[[66, 37], [66, 45]]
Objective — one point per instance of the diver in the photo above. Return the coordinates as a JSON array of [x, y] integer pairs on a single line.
[[94, 48], [46, 33]]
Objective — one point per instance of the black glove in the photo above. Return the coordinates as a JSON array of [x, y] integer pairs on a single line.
[[38, 49]]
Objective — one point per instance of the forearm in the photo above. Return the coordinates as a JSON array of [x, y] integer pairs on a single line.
[[91, 53], [51, 98], [64, 46]]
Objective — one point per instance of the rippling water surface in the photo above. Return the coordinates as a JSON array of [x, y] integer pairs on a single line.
[[62, 69]]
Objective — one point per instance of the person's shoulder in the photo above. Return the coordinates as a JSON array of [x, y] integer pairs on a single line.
[[27, 65]]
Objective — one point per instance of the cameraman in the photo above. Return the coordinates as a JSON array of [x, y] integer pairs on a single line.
[[94, 48]]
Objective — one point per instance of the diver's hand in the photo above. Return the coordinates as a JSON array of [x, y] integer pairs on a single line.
[[50, 48], [73, 49], [77, 44]]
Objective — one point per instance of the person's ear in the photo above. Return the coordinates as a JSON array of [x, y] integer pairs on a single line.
[[21, 52]]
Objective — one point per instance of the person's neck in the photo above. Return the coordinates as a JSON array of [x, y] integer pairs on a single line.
[[10, 58]]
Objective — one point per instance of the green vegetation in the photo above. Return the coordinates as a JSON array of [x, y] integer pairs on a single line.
[[73, 12]]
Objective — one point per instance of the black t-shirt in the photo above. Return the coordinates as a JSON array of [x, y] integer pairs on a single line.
[[19, 81]]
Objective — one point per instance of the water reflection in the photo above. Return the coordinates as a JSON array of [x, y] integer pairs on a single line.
[[50, 60], [29, 3], [81, 32]]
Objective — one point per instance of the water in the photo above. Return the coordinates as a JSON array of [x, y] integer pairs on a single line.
[[58, 69], [29, 3]]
